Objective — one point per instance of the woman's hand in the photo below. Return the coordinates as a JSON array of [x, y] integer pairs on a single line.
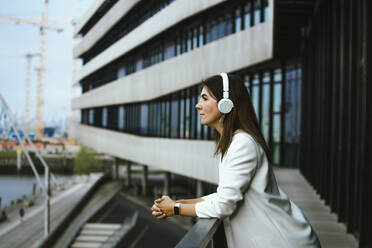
[[166, 205], [157, 212]]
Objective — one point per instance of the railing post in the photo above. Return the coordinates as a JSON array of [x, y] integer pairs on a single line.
[[19, 161], [145, 180], [129, 177], [47, 204], [167, 182], [199, 189]]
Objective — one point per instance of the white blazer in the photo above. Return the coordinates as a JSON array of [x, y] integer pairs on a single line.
[[255, 211]]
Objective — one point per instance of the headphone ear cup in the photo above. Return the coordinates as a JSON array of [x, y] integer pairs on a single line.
[[225, 106]]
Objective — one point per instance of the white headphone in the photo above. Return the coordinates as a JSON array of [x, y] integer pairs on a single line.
[[225, 105]]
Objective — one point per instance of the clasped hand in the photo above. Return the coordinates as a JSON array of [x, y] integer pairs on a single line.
[[163, 208]]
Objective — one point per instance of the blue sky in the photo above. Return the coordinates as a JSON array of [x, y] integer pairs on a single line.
[[16, 40]]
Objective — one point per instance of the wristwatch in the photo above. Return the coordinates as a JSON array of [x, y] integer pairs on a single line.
[[177, 208]]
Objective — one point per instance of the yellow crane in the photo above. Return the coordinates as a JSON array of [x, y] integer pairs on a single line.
[[44, 24]]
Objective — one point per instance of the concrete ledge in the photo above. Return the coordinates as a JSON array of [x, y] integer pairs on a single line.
[[88, 14], [114, 14], [191, 158], [240, 50]]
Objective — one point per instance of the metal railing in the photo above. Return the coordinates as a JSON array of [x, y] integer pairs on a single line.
[[205, 233]]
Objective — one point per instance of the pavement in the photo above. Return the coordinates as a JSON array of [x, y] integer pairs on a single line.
[[30, 232]]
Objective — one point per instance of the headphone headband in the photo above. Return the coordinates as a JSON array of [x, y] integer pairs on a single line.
[[225, 81], [225, 104]]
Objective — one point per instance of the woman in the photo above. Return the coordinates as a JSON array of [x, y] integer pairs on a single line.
[[255, 211]]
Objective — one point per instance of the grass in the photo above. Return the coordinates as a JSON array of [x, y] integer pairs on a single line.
[[8, 154]]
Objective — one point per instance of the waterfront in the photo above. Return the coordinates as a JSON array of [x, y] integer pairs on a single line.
[[13, 187]]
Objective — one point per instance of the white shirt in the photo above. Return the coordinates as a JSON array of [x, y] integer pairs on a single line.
[[255, 211]]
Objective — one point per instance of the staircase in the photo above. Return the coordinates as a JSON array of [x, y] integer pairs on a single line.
[[331, 233], [96, 235], [103, 235]]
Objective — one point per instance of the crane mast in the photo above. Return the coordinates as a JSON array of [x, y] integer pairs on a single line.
[[26, 120], [39, 126]]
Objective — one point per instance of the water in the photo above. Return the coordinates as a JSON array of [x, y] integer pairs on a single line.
[[13, 187]]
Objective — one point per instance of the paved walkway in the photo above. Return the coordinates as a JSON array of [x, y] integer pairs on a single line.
[[332, 234], [30, 232]]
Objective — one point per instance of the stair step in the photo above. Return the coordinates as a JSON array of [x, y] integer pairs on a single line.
[[327, 226], [314, 207], [340, 240], [100, 226], [86, 245], [97, 232], [99, 239], [317, 216]]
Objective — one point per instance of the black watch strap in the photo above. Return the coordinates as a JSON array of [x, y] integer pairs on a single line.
[[177, 208]]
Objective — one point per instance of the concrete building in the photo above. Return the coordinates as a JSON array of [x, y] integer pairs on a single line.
[[143, 63]]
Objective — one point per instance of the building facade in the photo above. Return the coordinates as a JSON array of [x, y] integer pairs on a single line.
[[144, 61]]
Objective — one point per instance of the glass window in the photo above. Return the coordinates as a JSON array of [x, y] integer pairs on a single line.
[[257, 12], [213, 30], [178, 46], [246, 82], [194, 99], [158, 119], [201, 35], [205, 132], [298, 99], [174, 116], [144, 118], [104, 117], [278, 75], [238, 20], [169, 50], [187, 115], [182, 116], [198, 126], [256, 93], [121, 118], [151, 119], [91, 116], [163, 118], [189, 41], [265, 4], [265, 111], [247, 15], [228, 24], [195, 38], [292, 120], [139, 64], [184, 42], [167, 118], [121, 72], [276, 138], [277, 97]]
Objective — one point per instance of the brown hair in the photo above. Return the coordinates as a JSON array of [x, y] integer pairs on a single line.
[[242, 116]]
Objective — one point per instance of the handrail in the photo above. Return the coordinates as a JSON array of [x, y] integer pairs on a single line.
[[203, 233]]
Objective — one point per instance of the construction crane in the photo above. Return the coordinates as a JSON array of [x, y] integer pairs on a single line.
[[29, 57], [43, 24], [26, 117]]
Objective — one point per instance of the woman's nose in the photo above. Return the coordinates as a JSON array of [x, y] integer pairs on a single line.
[[197, 106]]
